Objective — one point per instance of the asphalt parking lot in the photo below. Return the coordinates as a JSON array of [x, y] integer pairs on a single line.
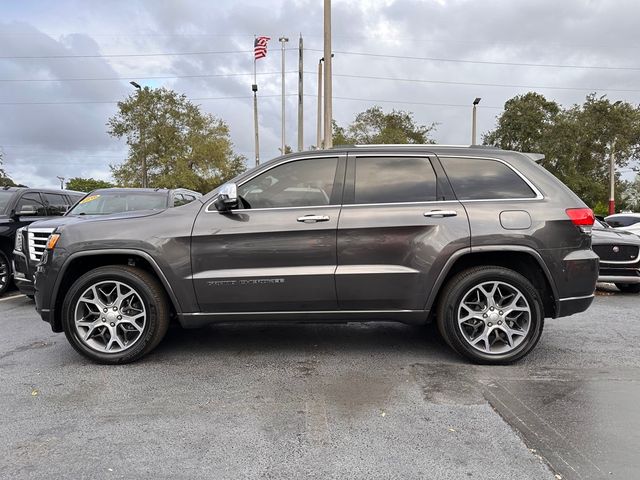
[[324, 401]]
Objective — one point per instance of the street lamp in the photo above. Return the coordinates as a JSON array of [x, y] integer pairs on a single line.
[[62, 179], [144, 147], [282, 41], [612, 172], [473, 121]]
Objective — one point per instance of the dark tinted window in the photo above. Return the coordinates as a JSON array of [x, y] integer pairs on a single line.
[[32, 199], [478, 179], [57, 203], [622, 221], [390, 180], [302, 183], [182, 199]]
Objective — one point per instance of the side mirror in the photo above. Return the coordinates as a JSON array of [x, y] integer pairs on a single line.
[[227, 198], [27, 211]]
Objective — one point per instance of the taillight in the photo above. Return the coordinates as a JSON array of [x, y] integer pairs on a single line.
[[581, 217]]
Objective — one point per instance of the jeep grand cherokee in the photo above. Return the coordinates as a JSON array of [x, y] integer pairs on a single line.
[[484, 241]]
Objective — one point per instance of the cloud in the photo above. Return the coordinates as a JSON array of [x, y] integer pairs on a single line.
[[42, 141]]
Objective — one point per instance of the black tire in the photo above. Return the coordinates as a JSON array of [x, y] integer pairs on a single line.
[[452, 295], [153, 297], [5, 273], [628, 287]]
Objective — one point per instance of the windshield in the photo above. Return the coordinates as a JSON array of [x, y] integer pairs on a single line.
[[106, 203], [5, 198]]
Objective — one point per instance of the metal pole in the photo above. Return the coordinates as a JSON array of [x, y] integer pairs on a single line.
[[328, 91], [319, 122], [254, 88], [473, 126], [300, 96], [612, 179], [283, 40]]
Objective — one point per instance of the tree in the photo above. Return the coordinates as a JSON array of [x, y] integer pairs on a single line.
[[183, 147], [3, 174], [375, 126], [577, 141], [87, 184]]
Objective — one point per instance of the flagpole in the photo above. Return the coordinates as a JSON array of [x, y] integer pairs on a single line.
[[254, 88]]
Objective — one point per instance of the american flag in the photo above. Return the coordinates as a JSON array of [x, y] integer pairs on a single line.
[[260, 47]]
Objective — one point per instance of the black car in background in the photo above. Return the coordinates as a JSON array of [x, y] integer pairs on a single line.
[[31, 242], [619, 253], [21, 206]]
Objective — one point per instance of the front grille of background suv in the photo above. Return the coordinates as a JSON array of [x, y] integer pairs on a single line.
[[37, 242]]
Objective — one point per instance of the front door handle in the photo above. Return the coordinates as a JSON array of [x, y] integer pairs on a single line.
[[313, 218], [441, 213]]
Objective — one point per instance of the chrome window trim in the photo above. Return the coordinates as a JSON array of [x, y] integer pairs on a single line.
[[535, 190], [287, 160]]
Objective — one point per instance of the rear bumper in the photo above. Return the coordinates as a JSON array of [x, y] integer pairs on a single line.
[[572, 305]]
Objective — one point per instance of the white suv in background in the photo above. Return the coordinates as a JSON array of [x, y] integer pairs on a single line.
[[625, 221]]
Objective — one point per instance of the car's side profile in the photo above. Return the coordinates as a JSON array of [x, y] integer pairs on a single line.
[[484, 241]]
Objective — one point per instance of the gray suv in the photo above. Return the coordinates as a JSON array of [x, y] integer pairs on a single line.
[[485, 242]]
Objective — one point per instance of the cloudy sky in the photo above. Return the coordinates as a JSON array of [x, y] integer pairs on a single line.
[[64, 64]]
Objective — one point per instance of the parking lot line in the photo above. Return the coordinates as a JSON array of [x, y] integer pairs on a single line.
[[11, 297]]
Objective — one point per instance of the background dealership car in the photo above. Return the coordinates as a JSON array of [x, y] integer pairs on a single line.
[[30, 242], [619, 253], [485, 241], [625, 221], [21, 206]]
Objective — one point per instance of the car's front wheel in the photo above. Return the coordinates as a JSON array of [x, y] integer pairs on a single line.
[[490, 315], [628, 287], [115, 314], [5, 273]]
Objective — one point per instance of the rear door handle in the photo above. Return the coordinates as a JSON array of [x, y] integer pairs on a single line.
[[441, 213], [313, 218]]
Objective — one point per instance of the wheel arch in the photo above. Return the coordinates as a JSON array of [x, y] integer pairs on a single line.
[[515, 257], [80, 263]]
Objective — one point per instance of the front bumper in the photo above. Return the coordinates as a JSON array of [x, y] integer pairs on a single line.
[[617, 273], [23, 273]]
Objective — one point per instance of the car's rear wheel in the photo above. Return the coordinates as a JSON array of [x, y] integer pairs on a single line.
[[490, 315], [628, 287], [115, 314], [5, 273]]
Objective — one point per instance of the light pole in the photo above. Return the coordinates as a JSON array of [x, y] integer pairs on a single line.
[[62, 179], [142, 142], [283, 40], [612, 172], [473, 121], [319, 119], [612, 178], [328, 90]]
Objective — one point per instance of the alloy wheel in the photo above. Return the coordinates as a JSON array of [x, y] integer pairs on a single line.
[[4, 273], [494, 317], [110, 317]]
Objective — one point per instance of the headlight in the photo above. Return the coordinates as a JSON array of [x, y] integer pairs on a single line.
[[18, 244]]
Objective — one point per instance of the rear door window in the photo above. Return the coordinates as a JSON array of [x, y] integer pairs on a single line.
[[484, 179], [394, 180], [622, 221], [57, 203]]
